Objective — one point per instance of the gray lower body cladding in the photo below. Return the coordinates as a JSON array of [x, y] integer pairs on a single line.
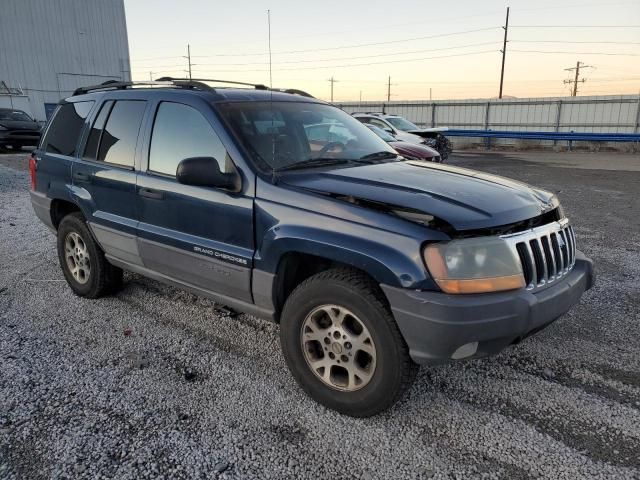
[[42, 208], [439, 327]]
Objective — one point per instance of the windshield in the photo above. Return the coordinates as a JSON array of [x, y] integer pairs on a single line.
[[402, 124], [15, 115], [387, 137], [280, 135]]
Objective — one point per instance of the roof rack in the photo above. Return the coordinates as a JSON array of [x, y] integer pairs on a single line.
[[161, 82], [192, 83], [257, 86]]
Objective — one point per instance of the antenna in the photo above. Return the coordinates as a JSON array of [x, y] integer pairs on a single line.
[[269, 25], [274, 176]]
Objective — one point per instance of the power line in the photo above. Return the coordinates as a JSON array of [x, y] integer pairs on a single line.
[[358, 45], [575, 26], [335, 59], [367, 64], [580, 53], [575, 41]]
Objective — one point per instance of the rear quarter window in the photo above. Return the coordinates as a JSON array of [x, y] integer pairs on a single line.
[[66, 127]]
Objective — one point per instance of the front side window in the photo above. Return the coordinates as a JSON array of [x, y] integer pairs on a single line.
[[402, 124], [384, 135], [66, 127], [180, 132], [120, 134], [283, 134]]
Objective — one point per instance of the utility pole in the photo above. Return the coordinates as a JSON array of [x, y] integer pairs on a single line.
[[575, 81], [151, 76], [188, 57], [389, 85], [332, 81], [429, 93], [504, 52]]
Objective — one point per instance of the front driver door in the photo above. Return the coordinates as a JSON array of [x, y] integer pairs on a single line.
[[200, 236]]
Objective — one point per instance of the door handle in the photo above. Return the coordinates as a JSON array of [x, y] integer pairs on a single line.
[[81, 177], [150, 193]]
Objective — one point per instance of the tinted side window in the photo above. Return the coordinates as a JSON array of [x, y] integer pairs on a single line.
[[119, 137], [66, 127], [379, 123], [180, 132], [91, 149]]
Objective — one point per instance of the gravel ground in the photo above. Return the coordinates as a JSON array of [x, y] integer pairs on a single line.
[[157, 383]]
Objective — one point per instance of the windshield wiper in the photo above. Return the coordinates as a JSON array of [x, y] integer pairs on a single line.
[[382, 155], [312, 162]]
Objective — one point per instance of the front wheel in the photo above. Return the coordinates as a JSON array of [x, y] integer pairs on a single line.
[[342, 344]]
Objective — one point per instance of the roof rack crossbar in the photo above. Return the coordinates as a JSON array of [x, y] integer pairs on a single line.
[[257, 86]]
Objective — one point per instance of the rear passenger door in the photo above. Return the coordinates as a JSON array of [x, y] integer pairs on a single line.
[[104, 178], [200, 236]]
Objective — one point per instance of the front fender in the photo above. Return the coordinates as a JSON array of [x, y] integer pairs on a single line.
[[390, 256]]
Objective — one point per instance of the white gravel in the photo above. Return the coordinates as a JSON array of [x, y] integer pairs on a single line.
[[152, 383]]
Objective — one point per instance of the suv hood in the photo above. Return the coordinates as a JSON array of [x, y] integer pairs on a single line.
[[466, 199]]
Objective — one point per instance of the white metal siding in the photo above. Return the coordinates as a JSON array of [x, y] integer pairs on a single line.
[[50, 47]]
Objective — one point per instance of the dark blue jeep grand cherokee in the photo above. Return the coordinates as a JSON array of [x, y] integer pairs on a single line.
[[287, 208]]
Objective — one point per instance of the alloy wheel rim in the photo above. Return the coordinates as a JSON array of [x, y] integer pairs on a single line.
[[338, 348], [77, 257]]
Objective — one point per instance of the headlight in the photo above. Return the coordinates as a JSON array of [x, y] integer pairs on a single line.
[[474, 265]]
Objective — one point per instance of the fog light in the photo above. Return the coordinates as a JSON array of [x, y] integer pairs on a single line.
[[466, 350]]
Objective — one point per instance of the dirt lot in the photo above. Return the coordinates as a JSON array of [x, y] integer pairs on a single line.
[[156, 383]]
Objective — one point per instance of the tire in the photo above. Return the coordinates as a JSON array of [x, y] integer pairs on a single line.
[[93, 276], [308, 337]]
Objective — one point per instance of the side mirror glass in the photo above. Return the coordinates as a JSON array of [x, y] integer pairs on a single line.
[[205, 172]]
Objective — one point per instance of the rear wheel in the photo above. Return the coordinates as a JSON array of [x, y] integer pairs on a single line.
[[342, 344], [82, 261]]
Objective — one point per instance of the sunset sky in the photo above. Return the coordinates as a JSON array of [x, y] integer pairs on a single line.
[[450, 47]]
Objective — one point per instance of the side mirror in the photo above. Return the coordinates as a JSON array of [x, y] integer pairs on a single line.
[[388, 130], [205, 172]]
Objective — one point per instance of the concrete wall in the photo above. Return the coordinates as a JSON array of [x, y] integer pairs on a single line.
[[50, 47], [600, 114]]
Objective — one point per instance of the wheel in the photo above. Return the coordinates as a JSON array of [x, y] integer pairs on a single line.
[[82, 261], [342, 344]]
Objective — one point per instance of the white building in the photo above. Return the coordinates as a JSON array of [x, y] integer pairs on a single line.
[[50, 47]]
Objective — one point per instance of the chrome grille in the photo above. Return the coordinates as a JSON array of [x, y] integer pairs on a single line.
[[547, 253]]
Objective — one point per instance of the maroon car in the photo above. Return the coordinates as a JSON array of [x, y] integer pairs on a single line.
[[411, 151]]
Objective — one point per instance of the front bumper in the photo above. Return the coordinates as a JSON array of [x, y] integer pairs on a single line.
[[439, 327], [19, 137]]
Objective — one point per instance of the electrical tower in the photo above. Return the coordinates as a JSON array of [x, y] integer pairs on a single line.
[[332, 81], [575, 81]]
